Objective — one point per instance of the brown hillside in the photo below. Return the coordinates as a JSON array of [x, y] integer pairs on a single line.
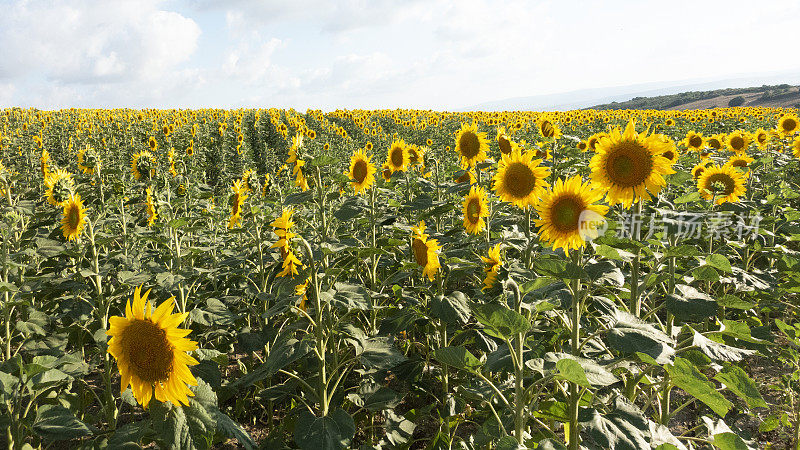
[[792, 99]]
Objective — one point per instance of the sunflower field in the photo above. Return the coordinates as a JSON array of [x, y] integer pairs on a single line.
[[400, 279]]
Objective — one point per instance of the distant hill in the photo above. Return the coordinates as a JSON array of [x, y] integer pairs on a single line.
[[778, 95]]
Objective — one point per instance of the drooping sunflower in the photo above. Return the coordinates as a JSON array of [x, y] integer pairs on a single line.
[[493, 262], [694, 141], [143, 165], [59, 187], [150, 207], [74, 218], [283, 226], [740, 160], [503, 141], [397, 156], [290, 265], [362, 171], [548, 129], [151, 351], [789, 124], [520, 179], [471, 145], [466, 177], [87, 160], [563, 220], [721, 184], [44, 162], [475, 209], [425, 251], [237, 201], [738, 141], [630, 165]]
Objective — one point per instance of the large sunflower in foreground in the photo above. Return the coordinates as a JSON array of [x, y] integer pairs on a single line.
[[493, 262], [59, 186], [397, 156], [471, 145], [519, 178], [568, 214], [151, 351], [721, 184], [789, 124], [630, 165], [362, 171], [74, 218], [425, 251], [475, 210]]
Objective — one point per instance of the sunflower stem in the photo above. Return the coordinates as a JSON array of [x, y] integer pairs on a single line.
[[322, 389], [519, 371], [528, 249], [575, 320], [635, 306]]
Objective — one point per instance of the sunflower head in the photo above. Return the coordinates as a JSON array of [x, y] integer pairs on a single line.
[[568, 214], [738, 141], [548, 129], [789, 124], [143, 165], [630, 165], [520, 179], [426, 254], [761, 137], [151, 351], [237, 198], [150, 207], [796, 147], [721, 184], [503, 141], [397, 157], [594, 139], [694, 141], [152, 144], [60, 187], [471, 145], [492, 266], [250, 181], [740, 160], [88, 160], [362, 171], [74, 218], [715, 142], [475, 210]]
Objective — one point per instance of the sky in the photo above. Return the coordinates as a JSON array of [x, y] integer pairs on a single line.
[[328, 54]]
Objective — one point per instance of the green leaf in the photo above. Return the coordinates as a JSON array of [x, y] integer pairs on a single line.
[[686, 376], [571, 370], [690, 197], [596, 375], [128, 436], [281, 355], [458, 357], [452, 309], [719, 351], [625, 428], [729, 441], [399, 429], [719, 262], [688, 304], [332, 432], [233, 430], [57, 423], [736, 379], [509, 443], [500, 321], [629, 334], [705, 273]]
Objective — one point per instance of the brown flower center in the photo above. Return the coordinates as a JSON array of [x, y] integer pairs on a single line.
[[519, 180], [360, 171], [149, 351], [420, 252], [473, 210], [721, 184], [469, 145], [565, 213], [629, 164]]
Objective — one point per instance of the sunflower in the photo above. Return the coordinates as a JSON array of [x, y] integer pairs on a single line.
[[669, 122], [493, 263], [694, 141], [761, 137], [300, 291], [237, 201], [520, 179], [715, 141], [503, 141], [594, 139], [796, 147], [672, 155], [362, 171], [290, 265], [629, 164], [151, 351], [738, 141], [471, 145], [788, 124], [548, 129], [397, 156], [283, 226], [466, 177], [582, 146], [425, 251], [44, 163], [386, 172], [699, 168], [721, 184], [416, 155], [740, 160], [87, 160], [475, 210], [74, 218], [562, 212], [171, 159], [150, 207], [142, 165], [152, 143], [250, 180], [59, 187]]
